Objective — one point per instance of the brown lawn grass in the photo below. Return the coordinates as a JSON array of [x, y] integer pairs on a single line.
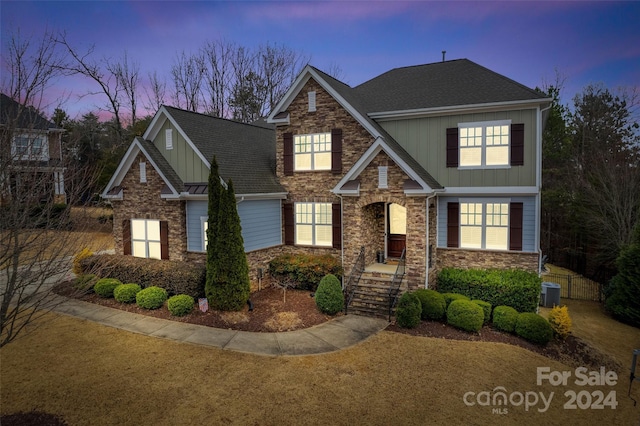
[[92, 374]]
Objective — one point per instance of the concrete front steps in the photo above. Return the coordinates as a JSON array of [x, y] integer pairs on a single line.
[[371, 296]]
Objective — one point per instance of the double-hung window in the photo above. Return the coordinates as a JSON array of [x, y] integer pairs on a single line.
[[313, 224], [312, 152], [484, 225], [145, 238], [484, 144]]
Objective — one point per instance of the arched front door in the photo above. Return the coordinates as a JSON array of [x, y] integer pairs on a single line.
[[396, 229]]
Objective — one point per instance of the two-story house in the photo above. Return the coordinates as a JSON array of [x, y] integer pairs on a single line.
[[439, 161], [31, 154]]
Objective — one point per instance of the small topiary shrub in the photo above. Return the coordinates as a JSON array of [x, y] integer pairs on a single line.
[[560, 321], [126, 293], [504, 318], [104, 287], [180, 305], [433, 304], [486, 307], [408, 311], [304, 270], [329, 297], [85, 283], [450, 297], [466, 315], [77, 260], [534, 328], [151, 297]]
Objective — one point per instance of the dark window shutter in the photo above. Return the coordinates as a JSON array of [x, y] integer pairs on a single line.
[[126, 236], [452, 147], [288, 154], [336, 221], [515, 226], [164, 239], [453, 224], [517, 144], [289, 224], [336, 151]]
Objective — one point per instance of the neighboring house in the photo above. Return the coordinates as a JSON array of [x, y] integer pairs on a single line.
[[441, 160], [31, 154]]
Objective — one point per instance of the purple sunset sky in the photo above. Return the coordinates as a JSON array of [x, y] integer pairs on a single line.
[[587, 42]]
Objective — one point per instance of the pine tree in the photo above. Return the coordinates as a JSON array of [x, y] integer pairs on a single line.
[[215, 193], [231, 286]]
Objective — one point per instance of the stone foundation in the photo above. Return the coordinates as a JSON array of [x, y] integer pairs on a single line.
[[486, 259]]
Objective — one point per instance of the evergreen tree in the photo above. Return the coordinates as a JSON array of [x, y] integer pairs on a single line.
[[623, 292], [230, 281], [215, 193]]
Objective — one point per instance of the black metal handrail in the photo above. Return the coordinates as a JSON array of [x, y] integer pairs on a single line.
[[394, 288], [354, 278]]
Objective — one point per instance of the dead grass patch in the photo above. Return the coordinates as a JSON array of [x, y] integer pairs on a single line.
[[234, 317], [284, 321]]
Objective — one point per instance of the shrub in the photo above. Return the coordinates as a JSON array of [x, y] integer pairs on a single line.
[[409, 311], [450, 297], [466, 315], [180, 304], [432, 302], [329, 297], [560, 321], [126, 293], [104, 287], [174, 276], [504, 318], [304, 269], [534, 328], [622, 298], [85, 282], [77, 259], [516, 288], [486, 307], [151, 297]]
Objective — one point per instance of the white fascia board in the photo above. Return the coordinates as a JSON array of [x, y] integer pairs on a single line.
[[268, 196], [117, 196], [375, 148], [288, 97], [455, 109], [490, 190], [123, 167]]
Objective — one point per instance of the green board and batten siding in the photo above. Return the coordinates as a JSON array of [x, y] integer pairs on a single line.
[[425, 139], [182, 157]]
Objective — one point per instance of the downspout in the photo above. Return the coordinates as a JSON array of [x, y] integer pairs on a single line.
[[428, 251], [341, 237], [539, 185]]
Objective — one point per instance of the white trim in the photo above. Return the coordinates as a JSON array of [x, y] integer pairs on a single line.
[[311, 95], [490, 190], [203, 232], [383, 177], [266, 196], [455, 109], [168, 139], [483, 225], [143, 172], [483, 147]]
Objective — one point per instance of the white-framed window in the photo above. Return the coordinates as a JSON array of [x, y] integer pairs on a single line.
[[145, 238], [30, 147], [312, 152], [484, 224], [168, 138], [204, 225], [313, 224], [484, 144], [312, 101]]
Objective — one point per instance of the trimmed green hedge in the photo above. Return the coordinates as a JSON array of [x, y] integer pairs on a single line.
[[180, 304], [466, 315], [408, 311], [105, 287], [329, 298], [486, 307], [534, 328], [151, 297], [450, 297], [504, 318], [305, 270], [433, 304], [515, 288], [174, 276], [126, 293]]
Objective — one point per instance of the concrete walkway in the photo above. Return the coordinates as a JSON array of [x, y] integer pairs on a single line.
[[336, 334]]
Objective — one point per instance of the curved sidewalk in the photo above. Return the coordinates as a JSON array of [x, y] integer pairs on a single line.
[[336, 334]]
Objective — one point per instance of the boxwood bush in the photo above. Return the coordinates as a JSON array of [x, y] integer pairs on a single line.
[[534, 328], [486, 307], [151, 297], [516, 288], [305, 270], [450, 297], [433, 304], [180, 304], [104, 287], [126, 293], [408, 311], [466, 315], [174, 276], [85, 283], [329, 297], [504, 318]]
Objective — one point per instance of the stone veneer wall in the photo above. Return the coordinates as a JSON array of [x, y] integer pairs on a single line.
[[486, 259], [142, 201]]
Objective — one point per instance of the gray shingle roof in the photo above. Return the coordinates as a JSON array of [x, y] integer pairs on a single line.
[[29, 117], [441, 84], [245, 153]]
